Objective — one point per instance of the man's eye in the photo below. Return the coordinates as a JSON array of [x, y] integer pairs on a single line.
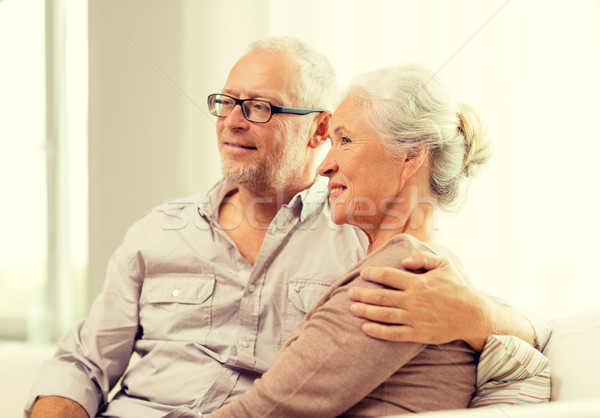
[[345, 140], [259, 106]]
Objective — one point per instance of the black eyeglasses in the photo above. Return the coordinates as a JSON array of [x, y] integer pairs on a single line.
[[259, 111]]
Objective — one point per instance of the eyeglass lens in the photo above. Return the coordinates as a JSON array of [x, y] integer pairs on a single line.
[[254, 110]]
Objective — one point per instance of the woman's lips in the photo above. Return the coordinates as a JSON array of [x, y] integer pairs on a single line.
[[335, 190]]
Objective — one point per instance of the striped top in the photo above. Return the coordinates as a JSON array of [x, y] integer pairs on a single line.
[[511, 372]]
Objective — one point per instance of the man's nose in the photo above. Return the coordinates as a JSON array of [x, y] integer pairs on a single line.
[[235, 118]]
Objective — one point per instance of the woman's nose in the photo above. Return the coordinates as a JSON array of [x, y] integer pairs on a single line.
[[328, 166]]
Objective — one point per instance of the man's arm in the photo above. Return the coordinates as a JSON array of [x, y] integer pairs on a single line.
[[92, 356], [437, 306], [57, 407]]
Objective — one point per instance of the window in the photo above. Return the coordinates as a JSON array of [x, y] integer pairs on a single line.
[[43, 244], [23, 242]]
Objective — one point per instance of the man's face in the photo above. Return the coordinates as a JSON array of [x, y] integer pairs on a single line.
[[262, 156]]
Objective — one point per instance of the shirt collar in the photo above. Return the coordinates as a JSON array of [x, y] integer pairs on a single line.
[[310, 200], [208, 206]]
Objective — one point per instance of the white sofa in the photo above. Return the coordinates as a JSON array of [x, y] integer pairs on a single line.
[[575, 362], [19, 366], [572, 349]]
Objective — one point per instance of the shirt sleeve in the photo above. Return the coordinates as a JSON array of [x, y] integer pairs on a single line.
[[541, 327], [93, 355], [323, 369]]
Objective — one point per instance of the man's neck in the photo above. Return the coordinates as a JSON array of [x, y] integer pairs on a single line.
[[246, 216], [259, 208]]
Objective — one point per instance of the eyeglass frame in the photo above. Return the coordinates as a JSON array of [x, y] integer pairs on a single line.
[[274, 108]]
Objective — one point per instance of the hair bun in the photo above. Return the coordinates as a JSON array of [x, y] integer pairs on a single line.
[[476, 144]]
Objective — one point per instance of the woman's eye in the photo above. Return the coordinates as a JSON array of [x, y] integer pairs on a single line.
[[345, 140]]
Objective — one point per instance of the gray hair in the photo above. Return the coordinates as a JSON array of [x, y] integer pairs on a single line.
[[410, 110], [316, 85]]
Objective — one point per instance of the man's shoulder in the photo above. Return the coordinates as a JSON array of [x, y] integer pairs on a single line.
[[191, 205], [172, 207], [165, 226], [176, 205], [173, 215]]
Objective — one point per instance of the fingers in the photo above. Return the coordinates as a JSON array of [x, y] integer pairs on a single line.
[[382, 332], [398, 279], [396, 333], [423, 260], [388, 315], [379, 297]]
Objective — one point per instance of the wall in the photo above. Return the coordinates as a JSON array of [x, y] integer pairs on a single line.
[[152, 63]]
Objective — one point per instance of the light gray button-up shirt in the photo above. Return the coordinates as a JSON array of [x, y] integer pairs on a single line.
[[204, 321]]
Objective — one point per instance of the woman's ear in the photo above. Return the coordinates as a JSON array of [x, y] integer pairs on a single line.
[[414, 160], [321, 127]]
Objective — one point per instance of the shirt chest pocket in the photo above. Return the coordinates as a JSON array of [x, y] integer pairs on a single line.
[[176, 306], [302, 295]]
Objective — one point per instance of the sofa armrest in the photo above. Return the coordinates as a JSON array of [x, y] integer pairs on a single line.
[[19, 367], [573, 353]]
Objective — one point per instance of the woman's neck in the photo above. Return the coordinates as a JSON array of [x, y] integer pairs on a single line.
[[416, 218]]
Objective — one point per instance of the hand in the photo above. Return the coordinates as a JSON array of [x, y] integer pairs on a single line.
[[57, 407], [434, 307]]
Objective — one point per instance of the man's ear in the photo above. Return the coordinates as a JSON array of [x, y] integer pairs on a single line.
[[321, 128], [414, 160]]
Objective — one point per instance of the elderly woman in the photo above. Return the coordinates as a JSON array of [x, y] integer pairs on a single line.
[[400, 150]]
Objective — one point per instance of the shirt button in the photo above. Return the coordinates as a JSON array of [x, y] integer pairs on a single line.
[[175, 292], [297, 288], [229, 372], [245, 344], [251, 288]]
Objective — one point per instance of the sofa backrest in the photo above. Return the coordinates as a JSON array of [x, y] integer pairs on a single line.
[[573, 349]]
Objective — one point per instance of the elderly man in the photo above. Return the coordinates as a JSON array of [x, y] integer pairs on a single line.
[[208, 305]]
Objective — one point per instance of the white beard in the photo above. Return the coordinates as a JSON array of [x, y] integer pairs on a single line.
[[274, 172]]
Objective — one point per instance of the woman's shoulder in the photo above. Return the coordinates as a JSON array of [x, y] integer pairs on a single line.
[[395, 250], [389, 254]]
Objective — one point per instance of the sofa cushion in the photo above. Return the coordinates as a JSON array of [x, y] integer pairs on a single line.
[[573, 351], [511, 372]]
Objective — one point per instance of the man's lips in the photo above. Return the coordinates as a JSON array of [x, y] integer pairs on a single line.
[[239, 146]]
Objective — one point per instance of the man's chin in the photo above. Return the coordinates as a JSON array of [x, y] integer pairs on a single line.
[[243, 176]]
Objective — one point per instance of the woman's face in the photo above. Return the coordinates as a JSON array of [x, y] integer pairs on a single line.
[[364, 182]]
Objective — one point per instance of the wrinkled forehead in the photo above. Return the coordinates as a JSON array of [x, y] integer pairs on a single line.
[[349, 107], [349, 119], [264, 75]]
